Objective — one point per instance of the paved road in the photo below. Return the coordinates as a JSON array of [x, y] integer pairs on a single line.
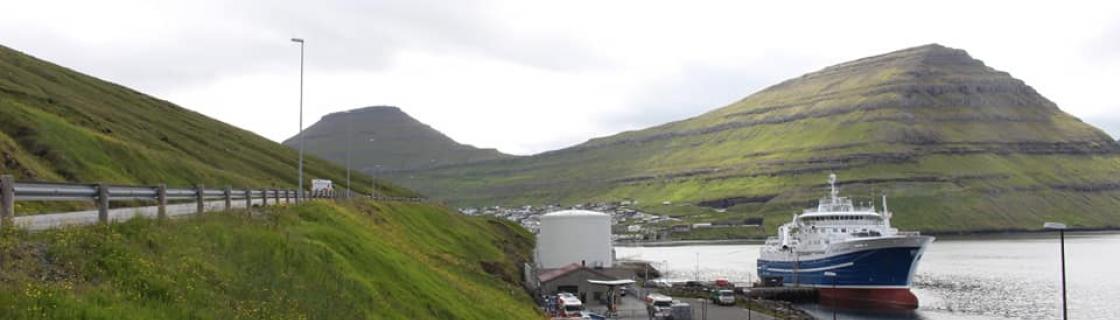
[[57, 220], [633, 309]]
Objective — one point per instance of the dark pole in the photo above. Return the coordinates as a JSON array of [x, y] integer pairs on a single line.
[[834, 298], [349, 124], [1062, 236], [299, 193]]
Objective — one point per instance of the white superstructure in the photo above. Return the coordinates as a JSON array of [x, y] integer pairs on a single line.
[[575, 236], [835, 226]]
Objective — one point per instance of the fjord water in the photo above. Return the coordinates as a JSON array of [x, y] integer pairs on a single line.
[[981, 277]]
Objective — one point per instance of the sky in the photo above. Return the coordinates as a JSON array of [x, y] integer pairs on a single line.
[[531, 76]]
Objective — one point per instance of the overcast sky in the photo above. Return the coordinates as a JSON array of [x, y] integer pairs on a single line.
[[531, 76]]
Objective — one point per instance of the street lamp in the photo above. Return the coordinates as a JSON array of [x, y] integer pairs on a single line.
[[299, 193], [1061, 227], [349, 124], [832, 275]]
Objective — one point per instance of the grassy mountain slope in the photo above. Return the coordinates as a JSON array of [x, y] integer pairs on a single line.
[[385, 139], [956, 144], [60, 125], [319, 260]]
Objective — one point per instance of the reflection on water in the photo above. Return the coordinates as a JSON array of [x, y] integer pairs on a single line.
[[1005, 277]]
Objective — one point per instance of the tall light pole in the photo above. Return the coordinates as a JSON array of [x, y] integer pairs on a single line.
[[349, 124], [299, 193], [832, 275], [1061, 227]]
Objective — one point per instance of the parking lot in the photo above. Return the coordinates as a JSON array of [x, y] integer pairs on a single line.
[[631, 307]]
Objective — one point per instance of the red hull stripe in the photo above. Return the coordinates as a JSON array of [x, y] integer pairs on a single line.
[[878, 298]]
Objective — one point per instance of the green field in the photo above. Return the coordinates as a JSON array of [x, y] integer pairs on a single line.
[[319, 260]]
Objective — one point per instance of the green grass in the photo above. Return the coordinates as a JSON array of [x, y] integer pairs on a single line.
[[60, 125], [319, 260]]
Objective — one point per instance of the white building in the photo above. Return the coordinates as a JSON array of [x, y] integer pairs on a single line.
[[575, 236]]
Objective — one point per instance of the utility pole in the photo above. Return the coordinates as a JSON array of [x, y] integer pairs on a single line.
[[1061, 227], [697, 267], [349, 126], [299, 193]]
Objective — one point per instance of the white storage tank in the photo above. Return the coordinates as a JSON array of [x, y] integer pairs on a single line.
[[575, 236]]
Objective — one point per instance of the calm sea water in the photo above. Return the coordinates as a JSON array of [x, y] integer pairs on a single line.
[[990, 277]]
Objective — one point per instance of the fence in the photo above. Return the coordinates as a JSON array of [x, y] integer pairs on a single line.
[[102, 194]]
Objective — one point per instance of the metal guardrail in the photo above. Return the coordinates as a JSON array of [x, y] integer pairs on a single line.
[[101, 194]]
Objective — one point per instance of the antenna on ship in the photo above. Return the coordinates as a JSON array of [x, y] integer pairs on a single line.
[[832, 184], [886, 212]]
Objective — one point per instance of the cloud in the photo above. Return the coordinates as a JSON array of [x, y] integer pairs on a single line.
[[698, 88], [527, 77]]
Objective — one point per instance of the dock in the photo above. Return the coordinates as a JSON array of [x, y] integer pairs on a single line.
[[791, 294]]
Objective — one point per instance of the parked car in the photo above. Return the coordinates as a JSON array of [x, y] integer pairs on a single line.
[[658, 306], [723, 297], [569, 306]]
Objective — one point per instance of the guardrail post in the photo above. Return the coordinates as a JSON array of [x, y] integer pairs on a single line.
[[229, 197], [200, 199], [7, 200], [161, 197], [287, 196], [103, 203], [276, 193], [248, 199], [264, 198]]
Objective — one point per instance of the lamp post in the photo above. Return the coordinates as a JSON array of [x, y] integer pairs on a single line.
[[299, 193], [1061, 227], [832, 275], [750, 282], [349, 124], [697, 266]]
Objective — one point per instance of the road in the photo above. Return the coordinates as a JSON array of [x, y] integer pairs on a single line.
[[633, 309], [57, 220]]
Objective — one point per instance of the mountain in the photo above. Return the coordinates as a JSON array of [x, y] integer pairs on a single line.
[[957, 145], [57, 124], [385, 139]]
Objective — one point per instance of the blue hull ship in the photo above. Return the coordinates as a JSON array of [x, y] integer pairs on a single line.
[[852, 254]]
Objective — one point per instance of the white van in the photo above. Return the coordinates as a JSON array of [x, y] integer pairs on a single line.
[[569, 306], [659, 306]]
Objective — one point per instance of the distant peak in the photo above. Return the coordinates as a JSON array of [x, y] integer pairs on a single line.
[[378, 110], [925, 55], [929, 49]]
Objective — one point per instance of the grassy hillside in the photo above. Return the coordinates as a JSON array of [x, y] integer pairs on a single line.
[[956, 144], [60, 125], [380, 139], [319, 260]]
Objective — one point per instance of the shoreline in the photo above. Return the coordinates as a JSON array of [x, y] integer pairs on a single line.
[[677, 243], [943, 235]]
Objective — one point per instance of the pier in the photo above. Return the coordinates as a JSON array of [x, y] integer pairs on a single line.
[[791, 294]]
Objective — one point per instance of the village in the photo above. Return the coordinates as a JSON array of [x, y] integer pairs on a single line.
[[628, 223]]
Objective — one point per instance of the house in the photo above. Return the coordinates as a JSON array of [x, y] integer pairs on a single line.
[[573, 278], [681, 228]]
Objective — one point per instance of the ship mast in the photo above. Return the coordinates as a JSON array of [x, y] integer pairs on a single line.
[[832, 184]]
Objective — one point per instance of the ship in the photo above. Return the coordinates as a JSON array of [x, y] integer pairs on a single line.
[[850, 253]]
